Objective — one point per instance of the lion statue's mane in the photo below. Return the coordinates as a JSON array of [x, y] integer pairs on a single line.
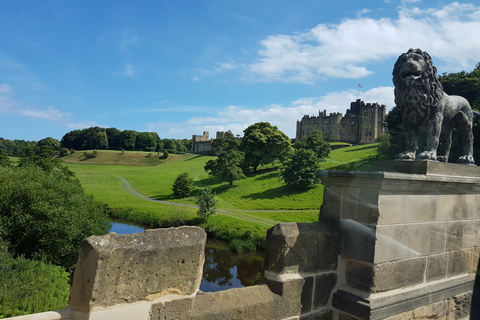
[[420, 95], [429, 114]]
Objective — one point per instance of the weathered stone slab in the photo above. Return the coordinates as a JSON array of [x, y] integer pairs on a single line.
[[385, 276], [114, 269], [301, 248]]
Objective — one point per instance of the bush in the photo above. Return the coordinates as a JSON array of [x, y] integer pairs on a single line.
[[299, 169], [183, 185], [206, 203], [28, 286], [45, 215]]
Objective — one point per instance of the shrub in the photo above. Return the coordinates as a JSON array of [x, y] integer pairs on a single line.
[[45, 215], [206, 203], [183, 185], [28, 286]]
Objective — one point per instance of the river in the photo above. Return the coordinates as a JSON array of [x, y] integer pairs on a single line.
[[223, 269]]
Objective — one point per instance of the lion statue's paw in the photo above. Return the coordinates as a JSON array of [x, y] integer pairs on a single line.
[[405, 156], [466, 160], [427, 155]]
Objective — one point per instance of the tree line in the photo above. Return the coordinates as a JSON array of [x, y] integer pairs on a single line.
[[96, 138]]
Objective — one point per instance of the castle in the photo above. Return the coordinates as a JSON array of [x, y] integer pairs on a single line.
[[362, 123], [202, 144]]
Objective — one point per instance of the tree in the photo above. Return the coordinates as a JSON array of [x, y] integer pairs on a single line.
[[183, 185], [263, 143], [43, 157], [228, 143], [4, 159], [299, 169], [316, 143], [113, 135], [45, 215], [54, 144], [206, 203], [227, 166], [128, 139], [146, 141]]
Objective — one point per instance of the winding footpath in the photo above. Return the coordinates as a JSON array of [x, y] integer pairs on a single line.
[[263, 221]]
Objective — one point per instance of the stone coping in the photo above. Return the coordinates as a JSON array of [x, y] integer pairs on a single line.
[[428, 168]]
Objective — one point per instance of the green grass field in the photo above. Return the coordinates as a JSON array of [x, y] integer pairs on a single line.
[[251, 207]]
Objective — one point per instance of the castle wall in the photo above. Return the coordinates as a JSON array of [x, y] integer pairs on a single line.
[[362, 124]]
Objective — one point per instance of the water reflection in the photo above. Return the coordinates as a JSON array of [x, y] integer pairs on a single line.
[[224, 269]]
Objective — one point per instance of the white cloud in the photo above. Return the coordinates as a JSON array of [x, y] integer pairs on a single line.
[[345, 50], [237, 118], [127, 71], [9, 104]]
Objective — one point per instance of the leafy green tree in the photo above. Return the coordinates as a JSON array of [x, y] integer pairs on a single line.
[[43, 157], [228, 143], [147, 141], [183, 185], [50, 142], [207, 205], [113, 136], [169, 145], [263, 143], [44, 215], [128, 139], [299, 169], [316, 143], [227, 166], [4, 159]]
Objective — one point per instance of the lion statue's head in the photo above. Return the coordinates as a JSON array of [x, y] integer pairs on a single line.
[[417, 88]]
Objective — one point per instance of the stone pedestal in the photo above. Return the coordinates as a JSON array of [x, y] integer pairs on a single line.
[[409, 240]]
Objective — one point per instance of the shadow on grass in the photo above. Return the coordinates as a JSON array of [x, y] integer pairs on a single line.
[[192, 158], [274, 193], [363, 148]]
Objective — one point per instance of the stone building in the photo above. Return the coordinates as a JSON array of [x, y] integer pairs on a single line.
[[202, 144], [362, 123]]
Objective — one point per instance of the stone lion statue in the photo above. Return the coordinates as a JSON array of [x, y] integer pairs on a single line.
[[429, 114]]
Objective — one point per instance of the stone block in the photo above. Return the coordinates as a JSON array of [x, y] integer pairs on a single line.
[[459, 262], [301, 248], [253, 303], [332, 204], [290, 291], [418, 239], [178, 308], [471, 234], [114, 269], [385, 276], [455, 234], [324, 285], [307, 295], [436, 267], [367, 208]]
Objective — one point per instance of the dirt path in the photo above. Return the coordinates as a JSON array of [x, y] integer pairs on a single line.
[[262, 221]]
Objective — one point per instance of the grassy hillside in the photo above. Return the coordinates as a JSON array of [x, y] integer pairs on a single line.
[[254, 204]]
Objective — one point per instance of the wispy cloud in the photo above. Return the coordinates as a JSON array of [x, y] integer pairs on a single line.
[[127, 71], [238, 118], [333, 50], [9, 104]]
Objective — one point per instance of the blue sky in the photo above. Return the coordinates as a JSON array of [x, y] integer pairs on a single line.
[[181, 67]]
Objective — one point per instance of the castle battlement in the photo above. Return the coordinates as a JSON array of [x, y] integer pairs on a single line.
[[362, 123]]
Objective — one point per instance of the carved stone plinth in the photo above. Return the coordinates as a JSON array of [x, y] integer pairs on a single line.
[[408, 240]]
